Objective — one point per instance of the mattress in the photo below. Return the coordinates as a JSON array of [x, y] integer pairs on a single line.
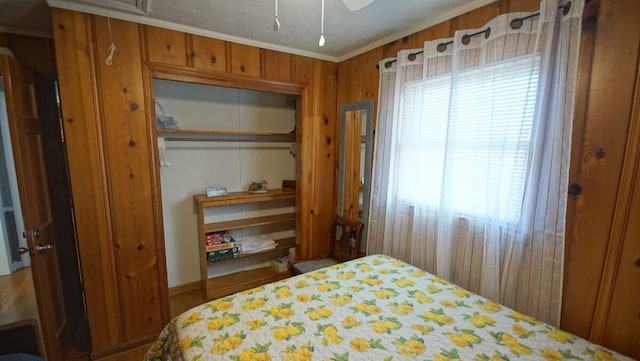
[[373, 308]]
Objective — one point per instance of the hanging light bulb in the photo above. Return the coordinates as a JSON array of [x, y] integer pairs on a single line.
[[321, 42], [276, 22]]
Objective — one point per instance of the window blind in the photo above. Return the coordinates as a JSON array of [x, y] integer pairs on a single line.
[[474, 137]]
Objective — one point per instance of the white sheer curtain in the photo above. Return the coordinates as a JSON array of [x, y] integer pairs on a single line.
[[472, 156]]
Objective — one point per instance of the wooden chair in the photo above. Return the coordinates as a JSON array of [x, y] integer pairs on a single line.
[[349, 232]]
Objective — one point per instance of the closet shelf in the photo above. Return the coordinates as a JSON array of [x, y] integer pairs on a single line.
[[224, 136], [202, 200]]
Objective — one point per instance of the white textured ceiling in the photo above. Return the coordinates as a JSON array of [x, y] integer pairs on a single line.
[[25, 17], [250, 21]]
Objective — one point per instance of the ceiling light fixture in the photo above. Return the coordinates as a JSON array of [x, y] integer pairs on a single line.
[[276, 22], [355, 5], [321, 42]]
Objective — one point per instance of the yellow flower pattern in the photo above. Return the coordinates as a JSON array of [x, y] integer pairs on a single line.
[[373, 308]]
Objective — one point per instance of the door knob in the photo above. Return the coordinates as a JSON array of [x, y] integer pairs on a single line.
[[41, 248]]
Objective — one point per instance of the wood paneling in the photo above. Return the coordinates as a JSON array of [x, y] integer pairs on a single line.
[[245, 60], [351, 164], [317, 162], [349, 91], [477, 18], [512, 6], [35, 53], [301, 69], [112, 156], [440, 31], [607, 117], [617, 318], [208, 54], [142, 289], [369, 74], [87, 173], [277, 65], [163, 45]]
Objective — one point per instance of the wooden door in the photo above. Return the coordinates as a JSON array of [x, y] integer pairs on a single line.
[[25, 129]]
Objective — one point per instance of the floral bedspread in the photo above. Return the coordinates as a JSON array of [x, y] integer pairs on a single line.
[[373, 308]]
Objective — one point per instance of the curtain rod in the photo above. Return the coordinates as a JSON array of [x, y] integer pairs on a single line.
[[515, 24]]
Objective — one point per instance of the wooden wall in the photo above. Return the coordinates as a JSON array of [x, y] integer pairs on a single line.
[[599, 216], [109, 125], [35, 53]]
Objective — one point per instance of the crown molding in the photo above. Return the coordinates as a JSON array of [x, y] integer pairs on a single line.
[[138, 17], [141, 19]]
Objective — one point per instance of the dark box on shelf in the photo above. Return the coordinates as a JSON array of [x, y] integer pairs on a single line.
[[289, 185]]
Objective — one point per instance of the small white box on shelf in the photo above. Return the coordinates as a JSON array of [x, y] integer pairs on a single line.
[[216, 191], [280, 264]]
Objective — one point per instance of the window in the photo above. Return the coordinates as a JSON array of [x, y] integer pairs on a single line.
[[467, 146]]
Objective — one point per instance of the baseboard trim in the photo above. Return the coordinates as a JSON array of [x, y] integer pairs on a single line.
[[124, 348], [187, 287]]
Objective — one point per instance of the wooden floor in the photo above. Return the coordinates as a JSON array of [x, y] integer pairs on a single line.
[[17, 297]]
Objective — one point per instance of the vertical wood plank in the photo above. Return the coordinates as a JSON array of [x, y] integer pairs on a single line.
[[245, 60], [35, 53], [349, 91], [478, 17], [317, 161], [208, 54], [391, 49], [301, 69], [607, 122], [351, 160], [130, 182], [440, 31], [616, 322], [327, 147], [165, 46], [513, 6], [369, 75], [86, 170], [276, 65]]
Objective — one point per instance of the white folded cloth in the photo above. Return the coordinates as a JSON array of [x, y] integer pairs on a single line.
[[257, 244]]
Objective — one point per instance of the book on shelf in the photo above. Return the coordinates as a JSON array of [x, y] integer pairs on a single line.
[[215, 238], [222, 246], [289, 185], [223, 254]]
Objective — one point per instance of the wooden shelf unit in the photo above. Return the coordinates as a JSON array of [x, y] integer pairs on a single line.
[[221, 286], [224, 136]]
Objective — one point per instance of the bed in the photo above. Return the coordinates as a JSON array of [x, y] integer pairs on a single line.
[[372, 308]]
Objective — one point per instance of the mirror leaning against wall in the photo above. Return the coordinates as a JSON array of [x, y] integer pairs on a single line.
[[355, 161]]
